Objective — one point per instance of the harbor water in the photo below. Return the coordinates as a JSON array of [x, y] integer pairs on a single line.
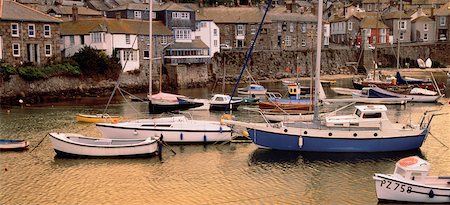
[[232, 173]]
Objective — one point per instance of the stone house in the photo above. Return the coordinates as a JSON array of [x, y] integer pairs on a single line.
[[66, 13], [374, 5], [292, 31], [442, 18], [128, 40], [345, 30], [238, 26], [27, 35], [423, 29], [136, 11], [399, 26]]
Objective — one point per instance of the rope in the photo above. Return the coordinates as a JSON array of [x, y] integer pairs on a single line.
[[249, 53]]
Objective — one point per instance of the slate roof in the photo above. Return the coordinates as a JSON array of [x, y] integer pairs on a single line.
[[296, 17], [422, 19], [234, 14], [375, 1], [196, 44], [371, 22], [396, 15], [443, 11], [67, 10], [114, 26], [156, 7], [17, 12], [99, 5]]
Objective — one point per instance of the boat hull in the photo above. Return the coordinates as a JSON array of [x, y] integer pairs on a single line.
[[223, 107], [158, 108], [340, 141], [97, 118], [13, 144], [62, 144], [380, 93], [187, 133], [393, 189]]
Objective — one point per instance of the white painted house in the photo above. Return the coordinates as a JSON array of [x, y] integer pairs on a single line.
[[113, 36], [208, 32]]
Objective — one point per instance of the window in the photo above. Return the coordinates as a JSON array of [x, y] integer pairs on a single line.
[[291, 27], [402, 36], [127, 38], [129, 55], [146, 54], [442, 20], [372, 115], [153, 15], [303, 27], [350, 26], [240, 30], [15, 30], [303, 43], [82, 39], [279, 27], [215, 32], [253, 29], [163, 40], [47, 31], [96, 37], [180, 15], [369, 7], [1, 48], [215, 43], [16, 49], [137, 14], [182, 34], [425, 37], [288, 41], [72, 40], [31, 30], [402, 25], [227, 28], [425, 27], [48, 50], [382, 35]]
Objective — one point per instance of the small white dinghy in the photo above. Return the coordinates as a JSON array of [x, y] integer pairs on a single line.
[[79, 145], [411, 183]]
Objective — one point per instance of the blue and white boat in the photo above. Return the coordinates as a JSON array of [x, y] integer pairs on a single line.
[[253, 90]]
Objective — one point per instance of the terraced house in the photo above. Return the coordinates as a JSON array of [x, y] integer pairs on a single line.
[[27, 36]]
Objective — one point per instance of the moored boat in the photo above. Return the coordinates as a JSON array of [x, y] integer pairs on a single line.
[[220, 102], [13, 144], [166, 102], [79, 145], [253, 90], [98, 118], [410, 182], [177, 129]]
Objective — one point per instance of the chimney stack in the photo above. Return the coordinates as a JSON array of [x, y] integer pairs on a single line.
[[74, 12]]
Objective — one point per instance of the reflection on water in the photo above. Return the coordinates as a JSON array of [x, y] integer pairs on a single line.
[[196, 174]]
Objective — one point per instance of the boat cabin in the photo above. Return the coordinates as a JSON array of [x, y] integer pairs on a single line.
[[221, 98], [295, 90], [412, 168], [364, 116]]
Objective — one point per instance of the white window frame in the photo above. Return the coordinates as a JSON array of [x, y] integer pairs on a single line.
[[16, 49], [240, 30], [153, 15], [48, 52], [253, 29], [72, 40], [137, 14], [180, 15], [383, 35], [97, 37], [31, 30], [163, 40], [279, 27], [425, 27], [369, 7], [304, 27], [215, 43], [303, 43], [47, 31], [350, 25], [425, 37], [215, 32], [15, 32], [442, 21], [402, 25], [127, 39], [291, 27], [1, 48], [288, 41], [182, 34], [401, 36], [148, 54]]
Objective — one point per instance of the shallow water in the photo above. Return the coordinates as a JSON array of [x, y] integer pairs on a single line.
[[197, 174]]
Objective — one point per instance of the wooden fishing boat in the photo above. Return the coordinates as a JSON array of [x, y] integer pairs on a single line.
[[98, 118], [13, 144], [410, 182], [79, 145], [286, 104]]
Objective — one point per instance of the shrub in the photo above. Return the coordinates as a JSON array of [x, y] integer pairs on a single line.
[[94, 62], [31, 73]]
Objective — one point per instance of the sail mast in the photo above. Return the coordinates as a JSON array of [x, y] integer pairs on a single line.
[[398, 36], [150, 39], [318, 51]]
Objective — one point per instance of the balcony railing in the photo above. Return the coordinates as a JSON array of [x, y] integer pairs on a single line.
[[187, 59]]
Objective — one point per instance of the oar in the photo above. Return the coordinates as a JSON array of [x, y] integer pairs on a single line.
[[437, 140], [39, 143]]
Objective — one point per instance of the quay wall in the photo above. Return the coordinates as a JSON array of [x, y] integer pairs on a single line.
[[263, 65]]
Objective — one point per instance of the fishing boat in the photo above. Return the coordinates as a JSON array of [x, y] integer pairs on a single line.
[[410, 182], [294, 102], [98, 118], [13, 144], [79, 145], [221, 102], [366, 130], [408, 80], [177, 129]]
